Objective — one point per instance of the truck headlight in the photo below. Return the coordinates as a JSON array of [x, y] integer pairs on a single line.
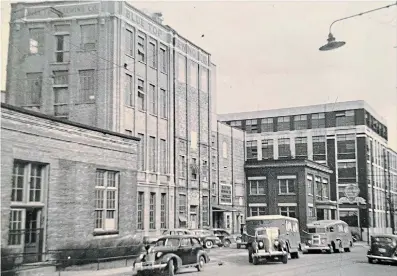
[[260, 244], [159, 254], [276, 243], [141, 256]]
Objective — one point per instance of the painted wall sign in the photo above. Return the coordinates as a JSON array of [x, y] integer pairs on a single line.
[[225, 194], [66, 10]]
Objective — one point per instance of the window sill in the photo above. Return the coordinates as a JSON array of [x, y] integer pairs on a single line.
[[84, 103], [105, 233], [257, 194], [60, 63], [142, 110], [130, 56], [86, 51], [288, 194], [153, 67], [142, 62]]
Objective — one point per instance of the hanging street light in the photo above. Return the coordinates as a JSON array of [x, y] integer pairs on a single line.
[[332, 43]]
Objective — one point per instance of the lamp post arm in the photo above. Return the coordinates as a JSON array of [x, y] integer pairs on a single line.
[[361, 13]]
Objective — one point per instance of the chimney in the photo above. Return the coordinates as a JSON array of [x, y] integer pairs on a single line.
[[158, 17]]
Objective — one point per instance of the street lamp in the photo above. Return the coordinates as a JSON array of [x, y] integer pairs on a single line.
[[332, 43]]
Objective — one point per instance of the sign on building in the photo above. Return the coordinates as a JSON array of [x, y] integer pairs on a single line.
[[226, 194]]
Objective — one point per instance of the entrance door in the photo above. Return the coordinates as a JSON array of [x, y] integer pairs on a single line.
[[193, 221], [33, 236]]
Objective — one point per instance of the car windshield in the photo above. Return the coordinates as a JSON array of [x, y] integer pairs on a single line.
[[383, 240], [160, 243], [261, 232], [172, 242], [316, 230]]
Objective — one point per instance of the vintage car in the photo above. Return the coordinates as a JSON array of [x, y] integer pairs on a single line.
[[207, 238], [268, 246], [169, 254], [327, 235], [225, 237], [383, 248]]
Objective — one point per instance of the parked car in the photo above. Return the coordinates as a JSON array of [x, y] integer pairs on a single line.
[[153, 239], [383, 248], [225, 237], [268, 246], [327, 235], [207, 238], [171, 253]]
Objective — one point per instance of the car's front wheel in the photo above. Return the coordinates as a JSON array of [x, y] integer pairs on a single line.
[[170, 270], [201, 263], [208, 244], [226, 243]]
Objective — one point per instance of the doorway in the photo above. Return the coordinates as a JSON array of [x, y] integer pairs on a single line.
[[33, 235]]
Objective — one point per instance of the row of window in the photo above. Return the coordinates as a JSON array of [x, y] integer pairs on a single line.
[[193, 74], [285, 187], [297, 122], [193, 212], [317, 186], [152, 211], [152, 153], [288, 211]]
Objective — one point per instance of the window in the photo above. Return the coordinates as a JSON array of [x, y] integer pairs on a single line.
[[152, 55], [283, 123], [346, 172], [286, 186], [309, 182], [204, 79], [284, 147], [301, 147], [141, 160], [300, 122], [251, 126], [62, 43], [153, 99], [129, 42], [236, 124], [15, 231], [87, 86], [106, 197], [213, 188], [163, 156], [257, 187], [257, 211], [224, 149], [267, 125], [163, 60], [325, 188], [194, 169], [252, 150], [27, 182], [182, 166], [345, 118], [61, 94], [182, 210], [181, 68], [288, 211], [318, 120], [205, 211], [141, 48], [88, 37], [129, 90], [163, 211], [140, 210], [310, 211], [193, 74], [141, 94], [36, 41], [267, 149], [319, 148], [163, 103], [346, 144], [33, 87], [205, 171], [152, 211], [319, 187], [152, 154]]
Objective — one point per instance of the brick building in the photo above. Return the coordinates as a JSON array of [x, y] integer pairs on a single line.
[[391, 187], [294, 188], [51, 196], [349, 137]]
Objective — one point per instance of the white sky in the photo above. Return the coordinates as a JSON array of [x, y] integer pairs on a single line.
[[267, 55]]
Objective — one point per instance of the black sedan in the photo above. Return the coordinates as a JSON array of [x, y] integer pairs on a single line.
[[383, 248]]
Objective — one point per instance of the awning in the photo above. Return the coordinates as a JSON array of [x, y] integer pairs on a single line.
[[223, 208], [182, 218]]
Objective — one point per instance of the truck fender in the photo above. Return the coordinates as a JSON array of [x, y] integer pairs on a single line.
[[167, 257]]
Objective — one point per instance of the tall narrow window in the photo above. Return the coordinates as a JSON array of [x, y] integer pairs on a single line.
[[152, 211], [163, 103], [181, 68], [62, 43], [152, 154], [318, 120], [141, 161], [27, 182], [346, 146], [152, 55], [251, 126], [36, 41], [182, 210], [87, 86], [15, 231], [141, 95], [88, 37], [182, 166], [193, 74], [267, 125], [106, 196], [300, 122], [140, 211], [284, 149], [301, 147], [205, 211], [33, 91], [61, 94], [129, 42], [163, 156], [283, 123], [163, 210], [319, 153], [163, 60], [141, 48], [129, 90], [252, 150], [152, 99], [267, 149]]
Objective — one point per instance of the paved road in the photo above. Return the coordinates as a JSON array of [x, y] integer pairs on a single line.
[[235, 263]]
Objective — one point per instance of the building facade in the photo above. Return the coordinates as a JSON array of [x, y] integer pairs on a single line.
[[228, 203], [349, 137], [51, 197], [109, 65], [392, 188], [294, 188]]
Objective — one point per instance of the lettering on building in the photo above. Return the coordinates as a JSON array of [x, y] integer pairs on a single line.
[[226, 194], [81, 9]]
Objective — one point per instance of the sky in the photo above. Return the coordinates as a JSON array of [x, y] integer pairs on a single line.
[[267, 54]]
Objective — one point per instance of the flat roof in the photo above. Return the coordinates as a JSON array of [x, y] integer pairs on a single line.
[[66, 122], [298, 110]]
